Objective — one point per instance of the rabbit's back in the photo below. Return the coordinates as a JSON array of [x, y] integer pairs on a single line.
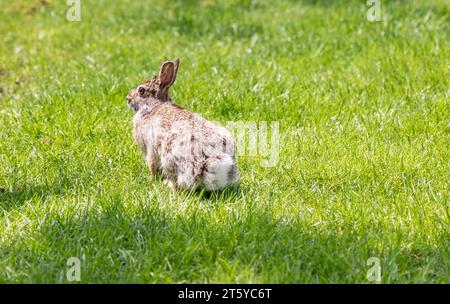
[[190, 151]]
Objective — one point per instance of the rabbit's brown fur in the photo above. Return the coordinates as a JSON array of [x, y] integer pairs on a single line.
[[188, 150]]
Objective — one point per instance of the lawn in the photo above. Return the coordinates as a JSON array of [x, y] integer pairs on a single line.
[[364, 124]]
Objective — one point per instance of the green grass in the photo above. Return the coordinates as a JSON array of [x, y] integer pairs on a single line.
[[364, 146]]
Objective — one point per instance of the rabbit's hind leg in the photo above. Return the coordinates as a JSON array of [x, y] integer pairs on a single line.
[[186, 180], [183, 182]]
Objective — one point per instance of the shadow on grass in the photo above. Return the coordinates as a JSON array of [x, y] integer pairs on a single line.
[[214, 197], [155, 245], [230, 192], [17, 196]]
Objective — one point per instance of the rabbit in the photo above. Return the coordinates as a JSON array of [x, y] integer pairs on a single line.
[[189, 151]]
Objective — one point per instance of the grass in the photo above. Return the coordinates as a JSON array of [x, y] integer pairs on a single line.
[[364, 142]]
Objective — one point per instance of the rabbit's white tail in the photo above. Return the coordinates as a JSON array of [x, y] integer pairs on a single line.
[[219, 173]]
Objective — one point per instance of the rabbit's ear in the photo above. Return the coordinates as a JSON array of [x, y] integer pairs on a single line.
[[177, 64], [168, 73]]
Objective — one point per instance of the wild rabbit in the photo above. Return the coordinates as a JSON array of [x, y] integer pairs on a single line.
[[188, 150]]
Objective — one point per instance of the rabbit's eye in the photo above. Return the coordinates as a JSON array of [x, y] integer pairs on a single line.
[[141, 91]]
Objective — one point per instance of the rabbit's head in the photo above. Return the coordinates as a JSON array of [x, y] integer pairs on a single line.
[[155, 89]]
